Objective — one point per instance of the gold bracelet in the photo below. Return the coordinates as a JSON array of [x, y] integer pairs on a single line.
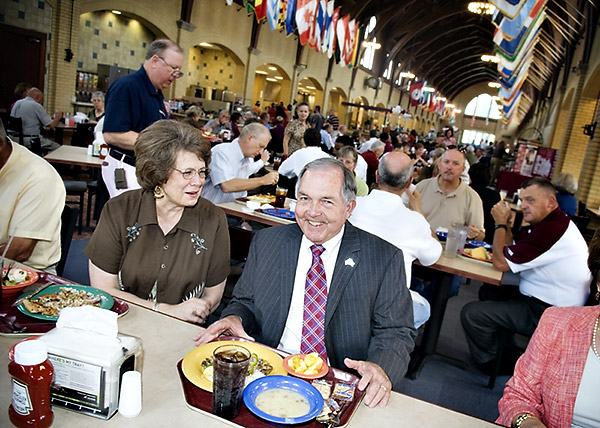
[[155, 307], [521, 418]]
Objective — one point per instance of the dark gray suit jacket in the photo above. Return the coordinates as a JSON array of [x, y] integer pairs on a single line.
[[369, 309]]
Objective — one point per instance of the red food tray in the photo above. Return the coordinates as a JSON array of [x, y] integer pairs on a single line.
[[201, 400], [34, 325]]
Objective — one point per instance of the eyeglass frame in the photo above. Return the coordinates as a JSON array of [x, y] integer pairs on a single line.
[[202, 173], [174, 71]]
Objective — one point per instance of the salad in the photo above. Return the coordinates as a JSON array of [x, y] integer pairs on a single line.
[[16, 276]]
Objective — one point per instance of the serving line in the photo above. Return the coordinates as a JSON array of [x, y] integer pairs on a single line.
[[239, 210], [72, 155], [165, 341], [445, 269]]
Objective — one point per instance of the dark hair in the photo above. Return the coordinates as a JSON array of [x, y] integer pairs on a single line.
[[373, 133], [384, 136], [349, 185], [157, 147], [480, 175], [312, 137], [542, 183], [235, 116], [594, 265], [298, 106]]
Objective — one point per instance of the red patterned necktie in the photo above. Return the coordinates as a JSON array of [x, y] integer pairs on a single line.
[[315, 300]]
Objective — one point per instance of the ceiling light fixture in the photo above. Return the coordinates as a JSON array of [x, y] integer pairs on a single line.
[[271, 79], [278, 77], [116, 12], [373, 45], [205, 45], [311, 87], [494, 85], [428, 89], [458, 111], [440, 98], [407, 74], [481, 8], [450, 105], [272, 68], [261, 72], [490, 58]]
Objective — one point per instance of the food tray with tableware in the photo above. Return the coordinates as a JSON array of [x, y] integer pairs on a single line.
[[41, 302], [331, 398]]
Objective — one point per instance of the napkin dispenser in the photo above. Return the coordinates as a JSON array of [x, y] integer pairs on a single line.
[[89, 365]]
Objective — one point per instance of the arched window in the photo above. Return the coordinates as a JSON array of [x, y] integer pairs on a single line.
[[369, 53], [483, 106], [387, 74]]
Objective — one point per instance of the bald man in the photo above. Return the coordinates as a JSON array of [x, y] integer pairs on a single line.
[[31, 111], [412, 234], [550, 257]]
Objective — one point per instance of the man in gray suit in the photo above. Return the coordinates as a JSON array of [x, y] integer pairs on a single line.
[[368, 324]]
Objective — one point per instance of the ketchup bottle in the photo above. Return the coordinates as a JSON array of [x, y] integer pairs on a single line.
[[31, 378]]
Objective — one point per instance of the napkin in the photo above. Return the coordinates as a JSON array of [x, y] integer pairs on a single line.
[[266, 206], [90, 319]]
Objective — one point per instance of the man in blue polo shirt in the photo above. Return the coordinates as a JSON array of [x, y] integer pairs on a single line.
[[133, 103]]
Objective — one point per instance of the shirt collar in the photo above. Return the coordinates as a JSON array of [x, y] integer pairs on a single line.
[[329, 245], [455, 192], [148, 216]]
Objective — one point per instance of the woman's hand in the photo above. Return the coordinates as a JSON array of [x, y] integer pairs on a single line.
[[194, 310]]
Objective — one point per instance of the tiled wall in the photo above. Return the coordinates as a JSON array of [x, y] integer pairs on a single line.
[[33, 15], [106, 38], [215, 68]]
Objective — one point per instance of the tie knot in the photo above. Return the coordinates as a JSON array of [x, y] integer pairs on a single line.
[[317, 250]]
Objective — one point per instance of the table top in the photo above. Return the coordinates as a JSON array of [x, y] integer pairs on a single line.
[[165, 341], [72, 155], [468, 268], [596, 212], [239, 210]]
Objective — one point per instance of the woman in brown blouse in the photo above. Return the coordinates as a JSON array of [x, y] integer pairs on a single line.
[[163, 246], [293, 137]]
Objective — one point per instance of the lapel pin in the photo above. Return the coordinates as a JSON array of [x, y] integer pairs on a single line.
[[349, 262]]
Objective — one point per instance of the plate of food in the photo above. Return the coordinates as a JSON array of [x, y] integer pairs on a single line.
[[474, 244], [280, 212], [305, 366], [261, 198], [283, 400], [47, 304], [197, 364], [17, 280], [478, 253]]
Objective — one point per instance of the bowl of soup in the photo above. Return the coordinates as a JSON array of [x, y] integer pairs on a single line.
[[283, 399]]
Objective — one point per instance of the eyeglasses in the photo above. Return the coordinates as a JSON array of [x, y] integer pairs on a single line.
[[190, 174], [175, 71]]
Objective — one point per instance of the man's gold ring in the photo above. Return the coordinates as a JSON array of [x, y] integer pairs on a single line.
[[384, 388]]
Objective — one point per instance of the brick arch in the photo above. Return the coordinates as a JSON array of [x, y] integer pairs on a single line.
[[592, 86]]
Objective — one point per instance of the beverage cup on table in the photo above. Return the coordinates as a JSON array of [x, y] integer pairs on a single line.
[[130, 399], [280, 195], [452, 243], [276, 162], [230, 367], [502, 194]]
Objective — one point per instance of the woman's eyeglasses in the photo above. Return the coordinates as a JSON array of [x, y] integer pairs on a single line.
[[190, 174]]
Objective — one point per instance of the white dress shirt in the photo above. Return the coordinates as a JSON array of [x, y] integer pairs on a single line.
[[292, 333], [292, 166]]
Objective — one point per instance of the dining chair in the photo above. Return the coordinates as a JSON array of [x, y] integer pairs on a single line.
[[14, 128], [77, 188], [67, 228]]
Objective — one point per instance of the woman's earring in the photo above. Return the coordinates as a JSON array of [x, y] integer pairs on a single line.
[[158, 193]]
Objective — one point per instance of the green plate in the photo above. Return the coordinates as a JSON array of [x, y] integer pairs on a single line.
[[106, 300]]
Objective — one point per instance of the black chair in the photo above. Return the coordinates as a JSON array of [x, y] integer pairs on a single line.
[[14, 128], [510, 347], [83, 135], [92, 188], [69, 220], [239, 245], [77, 188]]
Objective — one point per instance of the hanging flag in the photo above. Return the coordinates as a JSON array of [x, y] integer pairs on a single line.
[[260, 9], [273, 13], [327, 25], [510, 28], [281, 15], [433, 102], [510, 8], [358, 36], [305, 18], [349, 42], [332, 32], [512, 49], [316, 35], [290, 17], [416, 89], [452, 117], [342, 33], [249, 4]]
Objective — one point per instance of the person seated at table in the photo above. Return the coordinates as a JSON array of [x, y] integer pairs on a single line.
[[364, 318], [233, 163], [236, 121], [556, 381], [449, 202], [34, 117], [292, 166], [384, 206], [163, 246], [219, 124], [349, 157], [276, 143], [566, 187], [550, 258], [33, 199], [98, 101], [371, 157], [192, 115], [373, 136]]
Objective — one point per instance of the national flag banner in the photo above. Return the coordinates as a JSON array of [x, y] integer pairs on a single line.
[[260, 9], [358, 36], [290, 16], [510, 8], [273, 13], [249, 4], [452, 117], [441, 107], [342, 33], [511, 27], [316, 35], [305, 18], [281, 14], [416, 88], [332, 33], [513, 49], [327, 28], [506, 67], [433, 102], [350, 42]]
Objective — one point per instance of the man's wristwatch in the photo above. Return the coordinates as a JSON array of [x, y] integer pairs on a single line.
[[501, 226], [522, 418]]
